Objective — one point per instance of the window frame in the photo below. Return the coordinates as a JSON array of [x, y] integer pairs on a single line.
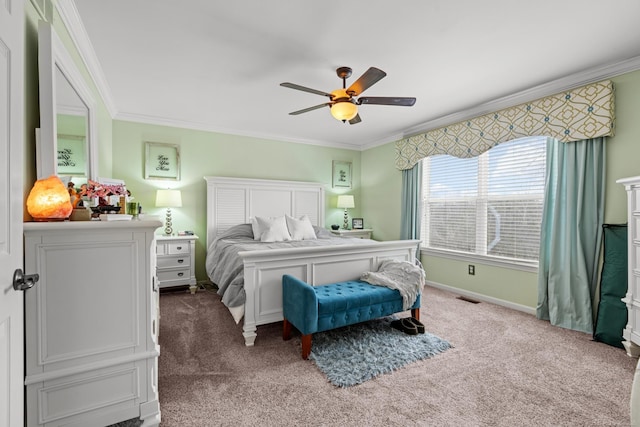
[[479, 258]]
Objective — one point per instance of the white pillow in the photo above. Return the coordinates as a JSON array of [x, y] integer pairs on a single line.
[[300, 229], [256, 229], [273, 229]]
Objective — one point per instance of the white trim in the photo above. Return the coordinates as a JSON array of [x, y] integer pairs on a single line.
[[528, 266], [484, 298], [80, 369], [71, 19]]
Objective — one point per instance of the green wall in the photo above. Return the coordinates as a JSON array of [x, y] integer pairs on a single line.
[[213, 154], [382, 182]]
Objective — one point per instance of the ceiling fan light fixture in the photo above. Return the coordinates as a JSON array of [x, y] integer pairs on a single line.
[[343, 109]]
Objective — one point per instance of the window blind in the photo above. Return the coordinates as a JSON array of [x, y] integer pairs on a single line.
[[489, 205]]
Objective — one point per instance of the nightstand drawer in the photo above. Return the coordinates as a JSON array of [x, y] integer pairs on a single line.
[[173, 248], [177, 248], [173, 262], [177, 275]]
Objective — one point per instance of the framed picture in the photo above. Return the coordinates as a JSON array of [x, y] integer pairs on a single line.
[[112, 182], [357, 223], [72, 155], [341, 174], [162, 161]]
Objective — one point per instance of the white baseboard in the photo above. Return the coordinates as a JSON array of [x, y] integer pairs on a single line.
[[481, 297]]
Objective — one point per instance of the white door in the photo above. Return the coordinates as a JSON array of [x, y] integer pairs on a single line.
[[11, 203]]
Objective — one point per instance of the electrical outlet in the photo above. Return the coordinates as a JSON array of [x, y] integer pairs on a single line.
[[472, 269]]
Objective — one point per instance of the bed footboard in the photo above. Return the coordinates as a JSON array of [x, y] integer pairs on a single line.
[[263, 271]]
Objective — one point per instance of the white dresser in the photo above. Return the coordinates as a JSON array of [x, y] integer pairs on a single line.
[[91, 323], [176, 261], [631, 333]]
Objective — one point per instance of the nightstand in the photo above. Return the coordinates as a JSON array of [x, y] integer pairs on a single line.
[[364, 233], [175, 261]]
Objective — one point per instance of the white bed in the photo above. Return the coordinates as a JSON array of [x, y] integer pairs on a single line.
[[234, 201]]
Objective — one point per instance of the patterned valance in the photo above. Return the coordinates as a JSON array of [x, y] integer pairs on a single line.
[[582, 113]]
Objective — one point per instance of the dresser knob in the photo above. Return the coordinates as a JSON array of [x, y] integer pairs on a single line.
[[180, 274], [179, 248], [180, 261]]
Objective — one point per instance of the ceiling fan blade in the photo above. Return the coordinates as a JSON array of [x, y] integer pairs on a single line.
[[384, 100], [368, 79], [355, 120], [306, 110], [304, 89]]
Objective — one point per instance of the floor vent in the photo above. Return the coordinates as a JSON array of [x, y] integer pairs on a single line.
[[472, 301]]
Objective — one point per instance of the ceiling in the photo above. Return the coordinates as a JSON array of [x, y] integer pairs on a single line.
[[217, 65]]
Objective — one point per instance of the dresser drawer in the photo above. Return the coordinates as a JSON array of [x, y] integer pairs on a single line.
[[173, 262], [176, 275]]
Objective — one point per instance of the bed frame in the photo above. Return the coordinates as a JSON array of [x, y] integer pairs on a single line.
[[232, 201]]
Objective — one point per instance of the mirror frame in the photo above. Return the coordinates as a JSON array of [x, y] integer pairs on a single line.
[[52, 54]]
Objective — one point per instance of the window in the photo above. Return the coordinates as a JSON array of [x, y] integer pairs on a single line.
[[488, 206]]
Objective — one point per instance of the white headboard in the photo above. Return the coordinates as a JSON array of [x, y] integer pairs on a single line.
[[233, 201]]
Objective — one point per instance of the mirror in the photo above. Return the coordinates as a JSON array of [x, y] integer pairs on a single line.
[[67, 136]]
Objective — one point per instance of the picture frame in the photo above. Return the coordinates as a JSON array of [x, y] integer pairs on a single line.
[[162, 161], [72, 155], [113, 200], [357, 223], [341, 177]]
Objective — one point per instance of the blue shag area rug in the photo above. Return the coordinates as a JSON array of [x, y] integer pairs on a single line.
[[354, 354]]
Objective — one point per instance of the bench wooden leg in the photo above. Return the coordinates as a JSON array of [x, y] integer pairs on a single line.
[[415, 313], [286, 329], [306, 346]]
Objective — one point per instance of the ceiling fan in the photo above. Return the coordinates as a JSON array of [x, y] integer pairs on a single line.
[[343, 102]]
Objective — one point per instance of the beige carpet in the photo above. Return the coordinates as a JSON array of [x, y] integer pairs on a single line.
[[506, 369]]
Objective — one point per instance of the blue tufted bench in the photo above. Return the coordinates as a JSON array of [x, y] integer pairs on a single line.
[[312, 309]]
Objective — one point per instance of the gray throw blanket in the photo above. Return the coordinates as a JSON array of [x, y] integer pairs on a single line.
[[404, 276]]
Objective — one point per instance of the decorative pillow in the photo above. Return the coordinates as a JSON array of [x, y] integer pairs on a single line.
[[300, 229], [273, 229], [256, 229]]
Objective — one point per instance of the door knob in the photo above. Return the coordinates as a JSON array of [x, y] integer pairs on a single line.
[[22, 282]]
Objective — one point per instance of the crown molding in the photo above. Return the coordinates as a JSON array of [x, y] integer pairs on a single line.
[[71, 20], [553, 87], [183, 124]]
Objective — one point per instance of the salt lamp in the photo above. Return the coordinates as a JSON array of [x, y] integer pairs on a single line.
[[49, 200]]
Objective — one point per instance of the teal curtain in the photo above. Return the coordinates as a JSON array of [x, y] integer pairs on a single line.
[[411, 203], [571, 232]]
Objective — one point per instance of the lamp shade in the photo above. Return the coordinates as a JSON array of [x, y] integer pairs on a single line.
[[49, 200], [344, 110], [346, 202], [168, 199]]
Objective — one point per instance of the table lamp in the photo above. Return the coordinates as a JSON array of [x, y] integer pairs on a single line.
[[346, 202], [168, 199]]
